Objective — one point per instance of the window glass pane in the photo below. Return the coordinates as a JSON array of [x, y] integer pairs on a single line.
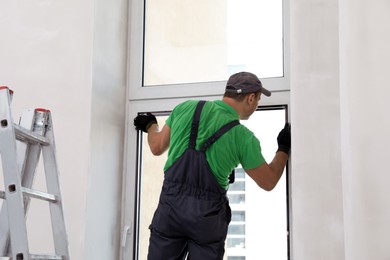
[[151, 179], [265, 213], [190, 41]]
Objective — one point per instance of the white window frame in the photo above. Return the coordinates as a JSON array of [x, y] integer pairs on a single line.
[[164, 98]]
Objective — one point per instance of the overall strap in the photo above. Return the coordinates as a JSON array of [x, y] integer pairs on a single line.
[[218, 134], [215, 137], [195, 124]]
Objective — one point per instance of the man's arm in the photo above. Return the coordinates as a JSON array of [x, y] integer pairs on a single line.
[[158, 140], [267, 175]]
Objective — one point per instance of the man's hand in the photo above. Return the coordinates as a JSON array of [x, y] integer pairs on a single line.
[[284, 139], [144, 121]]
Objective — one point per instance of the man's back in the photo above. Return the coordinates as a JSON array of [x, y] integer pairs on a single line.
[[239, 145]]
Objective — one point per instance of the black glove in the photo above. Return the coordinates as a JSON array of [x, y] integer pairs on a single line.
[[144, 121], [284, 139]]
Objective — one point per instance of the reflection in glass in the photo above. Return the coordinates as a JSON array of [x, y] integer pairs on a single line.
[[237, 186], [238, 215], [237, 198], [236, 242]]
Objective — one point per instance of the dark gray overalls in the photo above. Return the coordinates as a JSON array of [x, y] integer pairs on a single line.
[[193, 212]]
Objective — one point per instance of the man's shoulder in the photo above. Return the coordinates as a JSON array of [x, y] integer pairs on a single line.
[[186, 104], [191, 104]]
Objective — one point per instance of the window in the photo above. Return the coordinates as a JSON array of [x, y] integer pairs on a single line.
[[189, 48], [200, 41], [259, 218], [201, 72]]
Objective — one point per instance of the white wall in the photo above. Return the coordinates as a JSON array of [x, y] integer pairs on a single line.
[[107, 130], [317, 202], [365, 127], [70, 57], [339, 92]]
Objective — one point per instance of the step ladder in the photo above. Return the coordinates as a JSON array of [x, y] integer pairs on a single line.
[[20, 148]]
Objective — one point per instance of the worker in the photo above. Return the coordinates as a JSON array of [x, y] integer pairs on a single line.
[[206, 143]]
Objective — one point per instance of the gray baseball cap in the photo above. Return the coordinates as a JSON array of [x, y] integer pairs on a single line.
[[245, 82]]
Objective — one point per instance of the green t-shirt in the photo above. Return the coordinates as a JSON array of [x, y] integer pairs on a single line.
[[238, 146]]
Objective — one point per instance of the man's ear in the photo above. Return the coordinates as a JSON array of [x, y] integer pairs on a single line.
[[251, 97]]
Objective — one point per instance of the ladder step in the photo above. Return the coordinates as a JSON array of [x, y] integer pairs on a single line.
[[39, 195], [34, 194], [24, 135], [38, 257], [46, 257]]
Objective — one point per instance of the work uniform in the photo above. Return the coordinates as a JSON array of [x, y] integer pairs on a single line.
[[238, 146], [193, 212]]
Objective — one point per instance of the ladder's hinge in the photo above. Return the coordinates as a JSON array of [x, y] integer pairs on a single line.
[[41, 123]]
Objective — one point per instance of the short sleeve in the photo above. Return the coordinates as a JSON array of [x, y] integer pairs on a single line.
[[251, 156]]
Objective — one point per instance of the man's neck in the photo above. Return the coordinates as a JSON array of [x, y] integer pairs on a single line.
[[233, 103]]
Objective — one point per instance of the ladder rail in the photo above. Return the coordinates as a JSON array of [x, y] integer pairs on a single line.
[[28, 157], [12, 183], [53, 187]]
